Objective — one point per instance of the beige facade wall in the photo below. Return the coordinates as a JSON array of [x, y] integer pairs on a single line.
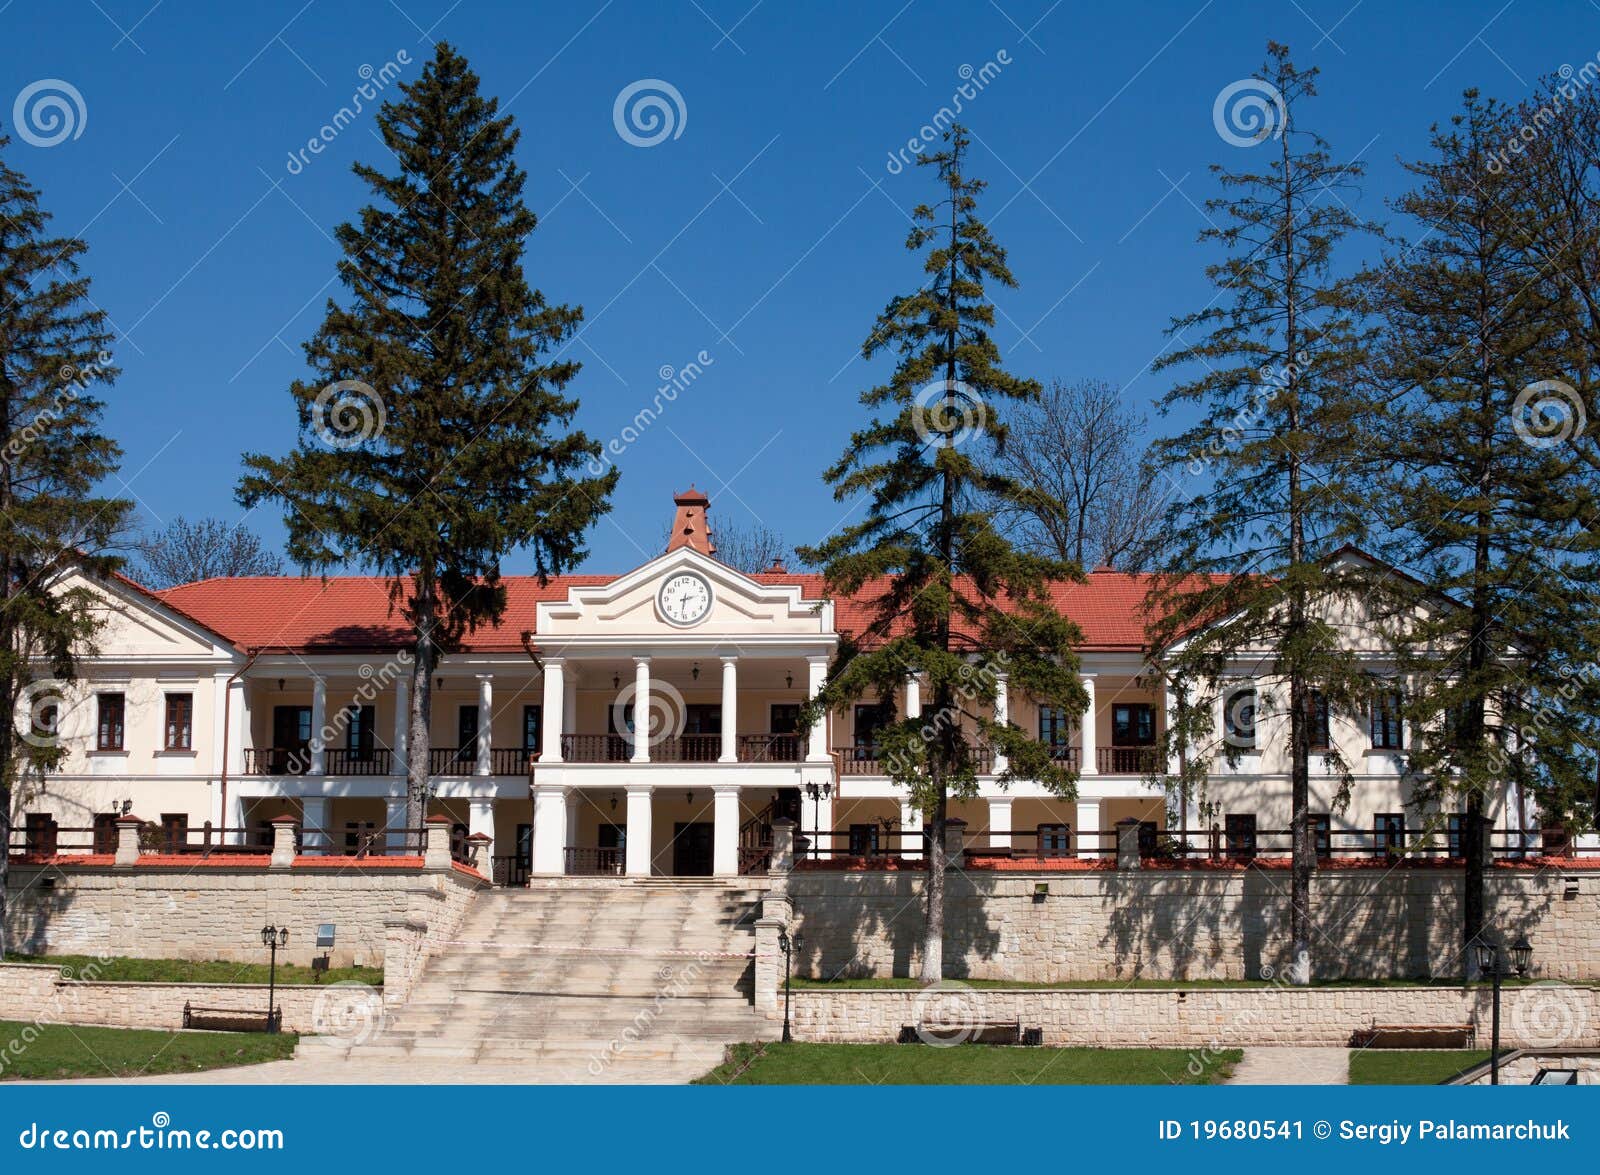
[[1191, 924]]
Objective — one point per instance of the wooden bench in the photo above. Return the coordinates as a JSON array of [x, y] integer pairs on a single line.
[[981, 1032], [232, 1019], [1414, 1036]]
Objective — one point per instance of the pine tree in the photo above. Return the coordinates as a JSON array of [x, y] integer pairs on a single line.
[[1270, 462], [1490, 515], [435, 439], [54, 351], [953, 601]]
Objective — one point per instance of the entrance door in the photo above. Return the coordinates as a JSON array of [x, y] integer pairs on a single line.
[[691, 849], [291, 739]]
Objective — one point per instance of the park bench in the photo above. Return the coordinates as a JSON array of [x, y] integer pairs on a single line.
[[1414, 1036], [980, 1032], [232, 1019]]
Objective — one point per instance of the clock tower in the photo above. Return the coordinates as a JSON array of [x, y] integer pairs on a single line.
[[691, 525]]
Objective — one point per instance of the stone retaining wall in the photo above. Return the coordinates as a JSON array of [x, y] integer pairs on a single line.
[[1205, 1019], [216, 911], [1186, 924]]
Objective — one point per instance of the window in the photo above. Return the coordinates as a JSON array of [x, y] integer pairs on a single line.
[[1133, 724], [110, 730], [1239, 715], [1239, 829], [702, 718], [863, 840], [1317, 712], [1055, 726], [1388, 833], [359, 739], [105, 832], [40, 834], [1322, 833], [785, 718], [532, 729], [174, 832], [466, 734], [1055, 840], [1454, 833], [1385, 721], [1149, 834], [868, 719], [362, 835], [180, 722]]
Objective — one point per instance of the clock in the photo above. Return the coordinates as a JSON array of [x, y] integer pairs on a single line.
[[684, 599]]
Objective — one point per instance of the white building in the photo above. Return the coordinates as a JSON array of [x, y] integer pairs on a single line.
[[230, 702]]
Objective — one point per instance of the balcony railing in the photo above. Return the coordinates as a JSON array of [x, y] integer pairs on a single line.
[[586, 862], [868, 760], [769, 748], [277, 760], [367, 761], [683, 748], [1126, 760]]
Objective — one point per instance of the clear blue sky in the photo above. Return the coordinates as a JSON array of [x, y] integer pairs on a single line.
[[768, 233]]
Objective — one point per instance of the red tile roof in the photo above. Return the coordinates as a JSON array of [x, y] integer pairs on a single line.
[[352, 614]]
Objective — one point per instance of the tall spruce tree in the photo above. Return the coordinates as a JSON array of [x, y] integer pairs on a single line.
[[54, 352], [953, 602], [1269, 461], [1491, 511], [435, 439]]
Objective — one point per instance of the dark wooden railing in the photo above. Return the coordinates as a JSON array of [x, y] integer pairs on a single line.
[[770, 748], [1126, 760], [867, 760], [683, 748], [363, 761], [277, 760], [512, 871], [596, 862], [596, 748]]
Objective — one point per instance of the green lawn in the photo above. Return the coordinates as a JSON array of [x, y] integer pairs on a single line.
[[1407, 1067], [845, 983], [968, 1064], [56, 1051], [186, 971]]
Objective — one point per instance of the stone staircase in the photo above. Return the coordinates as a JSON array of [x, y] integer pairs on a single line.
[[603, 980]]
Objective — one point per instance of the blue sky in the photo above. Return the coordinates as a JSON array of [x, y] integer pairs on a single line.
[[766, 233]]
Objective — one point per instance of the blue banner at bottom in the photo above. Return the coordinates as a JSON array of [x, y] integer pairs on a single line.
[[781, 1129]]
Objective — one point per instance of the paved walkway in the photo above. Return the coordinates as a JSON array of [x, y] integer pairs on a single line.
[[1287, 1066], [314, 1070]]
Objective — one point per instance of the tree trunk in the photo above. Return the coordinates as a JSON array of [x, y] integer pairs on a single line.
[[933, 897], [1304, 850], [418, 742]]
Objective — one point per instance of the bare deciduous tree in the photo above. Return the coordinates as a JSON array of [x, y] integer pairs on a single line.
[[749, 548], [186, 551], [1079, 448]]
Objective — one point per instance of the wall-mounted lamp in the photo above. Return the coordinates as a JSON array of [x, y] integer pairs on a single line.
[[788, 679], [616, 681], [280, 683], [613, 801], [695, 672]]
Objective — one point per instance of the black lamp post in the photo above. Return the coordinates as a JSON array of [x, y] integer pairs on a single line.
[[273, 937], [1490, 963], [787, 944], [818, 792]]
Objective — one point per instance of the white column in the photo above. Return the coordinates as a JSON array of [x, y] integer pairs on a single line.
[[817, 738], [394, 824], [1090, 764], [641, 709], [480, 819], [233, 819], [319, 720], [1170, 698], [569, 700], [549, 829], [725, 830], [485, 765], [910, 830], [314, 822], [1002, 715], [1000, 821], [640, 833], [1088, 825], [730, 710], [913, 696], [238, 727], [575, 802], [402, 727], [553, 712]]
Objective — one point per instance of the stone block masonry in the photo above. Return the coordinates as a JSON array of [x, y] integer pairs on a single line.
[[1105, 924], [216, 910]]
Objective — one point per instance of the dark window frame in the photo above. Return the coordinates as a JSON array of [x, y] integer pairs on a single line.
[[111, 722], [1321, 733], [178, 735], [1053, 840], [1322, 834], [1239, 835], [1234, 731], [1385, 727], [783, 718], [1388, 833], [1140, 715], [360, 734], [863, 840], [533, 728]]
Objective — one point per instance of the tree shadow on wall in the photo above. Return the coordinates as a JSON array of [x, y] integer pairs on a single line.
[[1185, 924]]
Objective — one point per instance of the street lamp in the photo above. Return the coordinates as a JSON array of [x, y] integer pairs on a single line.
[[273, 937], [787, 945], [1490, 963], [818, 792]]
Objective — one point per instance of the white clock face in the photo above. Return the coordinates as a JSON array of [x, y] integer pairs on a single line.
[[685, 599]]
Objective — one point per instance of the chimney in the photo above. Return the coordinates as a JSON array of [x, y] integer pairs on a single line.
[[691, 525]]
